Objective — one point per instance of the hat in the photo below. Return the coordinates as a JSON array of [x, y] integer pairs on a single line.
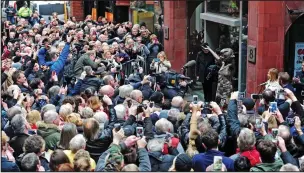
[[248, 103], [163, 114], [115, 157], [154, 118], [129, 130], [157, 97], [183, 163], [142, 24]]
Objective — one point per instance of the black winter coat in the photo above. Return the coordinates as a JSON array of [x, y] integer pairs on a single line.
[[160, 162]]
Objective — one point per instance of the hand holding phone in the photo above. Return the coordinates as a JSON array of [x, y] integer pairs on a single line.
[[217, 163], [117, 127], [195, 99], [273, 107]]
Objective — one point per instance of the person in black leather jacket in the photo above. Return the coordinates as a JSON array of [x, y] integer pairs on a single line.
[[98, 141], [90, 80]]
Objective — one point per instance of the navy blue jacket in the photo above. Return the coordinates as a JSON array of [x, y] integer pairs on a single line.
[[290, 87], [201, 161], [8, 166]]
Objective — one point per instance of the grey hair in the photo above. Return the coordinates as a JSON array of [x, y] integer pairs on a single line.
[[53, 91], [107, 79], [163, 125], [61, 44], [65, 110], [47, 107], [135, 94], [11, 112], [289, 168], [125, 91], [11, 89], [87, 112], [88, 70], [101, 117], [246, 139], [155, 145], [120, 110], [18, 123], [29, 162], [77, 142], [177, 101], [50, 117]]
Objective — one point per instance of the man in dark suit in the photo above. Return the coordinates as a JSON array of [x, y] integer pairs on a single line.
[[204, 60], [284, 80]]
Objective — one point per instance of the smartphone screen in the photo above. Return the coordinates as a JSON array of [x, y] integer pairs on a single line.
[[273, 107], [151, 104], [139, 131], [258, 123], [195, 99], [217, 163], [275, 133]]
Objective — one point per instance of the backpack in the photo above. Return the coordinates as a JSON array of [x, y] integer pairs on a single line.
[[68, 71]]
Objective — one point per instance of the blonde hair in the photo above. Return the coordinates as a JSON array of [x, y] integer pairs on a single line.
[[274, 74], [162, 53], [33, 117], [152, 36], [94, 103], [272, 122], [4, 139], [74, 118]]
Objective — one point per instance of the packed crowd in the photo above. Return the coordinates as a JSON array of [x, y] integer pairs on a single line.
[[65, 107]]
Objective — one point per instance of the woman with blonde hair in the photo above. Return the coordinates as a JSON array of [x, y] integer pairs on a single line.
[[32, 118], [273, 80], [154, 47], [161, 64]]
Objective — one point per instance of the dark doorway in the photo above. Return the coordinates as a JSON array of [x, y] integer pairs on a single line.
[[88, 5], [293, 36], [121, 14], [101, 8]]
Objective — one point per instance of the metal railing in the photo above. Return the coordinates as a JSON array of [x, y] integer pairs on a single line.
[[128, 67]]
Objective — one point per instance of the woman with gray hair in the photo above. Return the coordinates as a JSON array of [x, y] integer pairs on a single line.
[[246, 143]]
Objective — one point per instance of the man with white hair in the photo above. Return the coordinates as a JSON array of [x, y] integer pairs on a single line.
[[124, 92], [107, 90], [78, 142], [49, 129], [177, 102], [136, 98], [159, 162], [120, 113]]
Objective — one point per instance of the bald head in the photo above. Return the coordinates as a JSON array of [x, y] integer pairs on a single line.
[[284, 132], [177, 101], [107, 90]]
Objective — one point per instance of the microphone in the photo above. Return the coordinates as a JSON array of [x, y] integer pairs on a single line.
[[263, 83], [189, 64]]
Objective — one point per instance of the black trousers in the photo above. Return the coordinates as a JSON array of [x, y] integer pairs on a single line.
[[209, 88]]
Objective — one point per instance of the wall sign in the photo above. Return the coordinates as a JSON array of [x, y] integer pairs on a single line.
[[251, 54], [299, 57], [166, 32]]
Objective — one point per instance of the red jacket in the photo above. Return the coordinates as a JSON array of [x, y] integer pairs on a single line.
[[253, 156]]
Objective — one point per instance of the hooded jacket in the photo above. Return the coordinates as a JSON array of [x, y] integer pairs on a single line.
[[50, 133], [268, 167]]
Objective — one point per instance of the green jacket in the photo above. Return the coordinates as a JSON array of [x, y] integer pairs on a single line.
[[24, 12], [84, 60], [50, 133], [268, 167]]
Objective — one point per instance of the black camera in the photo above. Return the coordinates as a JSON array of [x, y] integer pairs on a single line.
[[117, 127]]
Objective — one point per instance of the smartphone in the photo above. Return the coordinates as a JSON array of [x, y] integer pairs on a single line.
[[195, 99], [117, 127], [217, 163], [64, 84], [240, 106], [258, 123], [140, 109], [151, 105], [139, 131], [256, 96], [241, 95], [290, 121], [273, 107], [275, 133], [129, 103], [156, 59], [207, 105]]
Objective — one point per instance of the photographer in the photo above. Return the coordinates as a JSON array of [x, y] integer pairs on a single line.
[[174, 85], [90, 80], [161, 64]]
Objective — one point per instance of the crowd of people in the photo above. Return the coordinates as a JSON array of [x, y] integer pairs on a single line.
[[65, 106]]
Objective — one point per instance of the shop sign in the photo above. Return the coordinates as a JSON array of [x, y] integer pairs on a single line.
[[299, 56], [251, 54]]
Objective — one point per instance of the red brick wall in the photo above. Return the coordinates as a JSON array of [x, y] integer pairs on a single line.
[[175, 17], [266, 32], [77, 10]]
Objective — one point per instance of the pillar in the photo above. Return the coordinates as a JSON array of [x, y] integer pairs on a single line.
[[175, 18], [266, 33], [77, 10]]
